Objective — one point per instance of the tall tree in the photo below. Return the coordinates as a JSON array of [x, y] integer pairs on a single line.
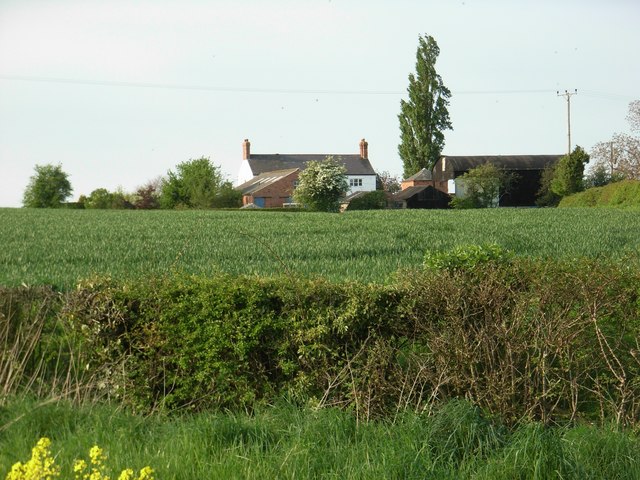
[[424, 117], [568, 173], [321, 184], [620, 156], [49, 187]]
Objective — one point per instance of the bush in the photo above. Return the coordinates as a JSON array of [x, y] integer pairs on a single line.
[[226, 342], [466, 257], [482, 187], [376, 200]]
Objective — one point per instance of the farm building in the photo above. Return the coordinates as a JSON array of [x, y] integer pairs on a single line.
[[418, 191], [270, 189], [433, 189], [258, 170]]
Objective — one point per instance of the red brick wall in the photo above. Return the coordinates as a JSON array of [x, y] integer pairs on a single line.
[[275, 194]]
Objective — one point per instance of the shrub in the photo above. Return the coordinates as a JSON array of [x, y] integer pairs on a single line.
[[466, 257], [375, 200], [482, 187], [226, 342], [540, 339], [321, 185]]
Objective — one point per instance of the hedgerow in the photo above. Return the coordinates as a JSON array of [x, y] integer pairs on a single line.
[[522, 339], [625, 193]]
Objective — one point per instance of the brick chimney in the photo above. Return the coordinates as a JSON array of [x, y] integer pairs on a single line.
[[364, 149], [246, 149]]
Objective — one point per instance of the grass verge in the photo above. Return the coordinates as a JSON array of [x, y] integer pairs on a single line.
[[284, 441]]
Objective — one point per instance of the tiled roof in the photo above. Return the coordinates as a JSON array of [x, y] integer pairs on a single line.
[[263, 180], [260, 163]]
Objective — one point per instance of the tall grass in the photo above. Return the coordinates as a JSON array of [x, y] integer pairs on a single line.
[[456, 442], [38, 350], [59, 247]]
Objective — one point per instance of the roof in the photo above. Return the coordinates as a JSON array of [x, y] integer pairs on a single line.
[[508, 162], [424, 174], [350, 197], [260, 163], [409, 192], [263, 180]]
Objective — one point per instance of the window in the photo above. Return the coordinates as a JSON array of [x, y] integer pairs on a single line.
[[355, 182]]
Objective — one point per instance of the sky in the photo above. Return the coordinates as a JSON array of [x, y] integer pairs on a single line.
[[120, 92]]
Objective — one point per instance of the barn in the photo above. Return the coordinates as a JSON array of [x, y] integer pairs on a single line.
[[527, 170]]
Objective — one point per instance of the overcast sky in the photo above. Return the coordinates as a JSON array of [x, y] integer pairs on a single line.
[[119, 92]]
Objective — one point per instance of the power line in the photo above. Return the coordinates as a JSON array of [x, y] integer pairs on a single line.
[[170, 86], [212, 88]]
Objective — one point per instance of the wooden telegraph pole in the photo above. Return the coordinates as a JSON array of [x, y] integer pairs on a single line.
[[568, 95]]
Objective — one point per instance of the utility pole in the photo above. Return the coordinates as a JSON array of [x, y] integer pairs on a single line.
[[611, 159], [568, 94]]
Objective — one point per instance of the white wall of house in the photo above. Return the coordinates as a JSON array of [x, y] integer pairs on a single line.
[[361, 183], [244, 174]]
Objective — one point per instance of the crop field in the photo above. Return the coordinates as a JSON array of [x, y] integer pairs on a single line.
[[60, 247]]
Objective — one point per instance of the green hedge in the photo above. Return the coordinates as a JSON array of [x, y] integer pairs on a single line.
[[625, 193], [541, 340], [375, 200]]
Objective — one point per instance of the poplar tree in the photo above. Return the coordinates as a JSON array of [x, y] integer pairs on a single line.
[[424, 116]]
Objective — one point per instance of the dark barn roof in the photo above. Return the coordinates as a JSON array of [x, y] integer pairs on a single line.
[[261, 163], [508, 162], [408, 192]]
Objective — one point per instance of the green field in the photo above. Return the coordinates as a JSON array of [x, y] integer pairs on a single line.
[[61, 246]]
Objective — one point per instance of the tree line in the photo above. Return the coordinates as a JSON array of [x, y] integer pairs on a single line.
[[194, 184]]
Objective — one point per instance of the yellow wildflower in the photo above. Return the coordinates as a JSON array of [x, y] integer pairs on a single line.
[[146, 473], [41, 465], [126, 475], [97, 456]]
